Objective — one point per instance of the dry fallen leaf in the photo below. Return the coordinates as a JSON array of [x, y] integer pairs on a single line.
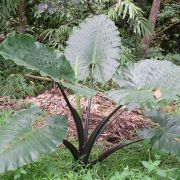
[[21, 138], [177, 139], [157, 94]]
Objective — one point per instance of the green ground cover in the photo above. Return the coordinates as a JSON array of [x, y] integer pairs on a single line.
[[125, 164]]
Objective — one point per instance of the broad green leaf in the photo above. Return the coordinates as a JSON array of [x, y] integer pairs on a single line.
[[24, 51], [151, 166], [20, 143], [146, 83], [166, 136], [95, 43]]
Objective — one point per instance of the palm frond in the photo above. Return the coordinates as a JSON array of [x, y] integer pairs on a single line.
[[7, 7], [128, 9]]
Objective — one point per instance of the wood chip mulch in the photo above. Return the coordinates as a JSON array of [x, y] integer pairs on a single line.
[[124, 127]]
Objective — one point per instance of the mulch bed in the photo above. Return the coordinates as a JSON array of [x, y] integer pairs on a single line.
[[124, 127]]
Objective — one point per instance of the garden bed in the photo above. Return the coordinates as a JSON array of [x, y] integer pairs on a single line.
[[124, 127]]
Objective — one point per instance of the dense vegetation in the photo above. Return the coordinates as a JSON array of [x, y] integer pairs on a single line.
[[92, 46], [52, 21]]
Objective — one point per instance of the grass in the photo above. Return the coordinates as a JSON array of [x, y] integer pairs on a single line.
[[126, 162]]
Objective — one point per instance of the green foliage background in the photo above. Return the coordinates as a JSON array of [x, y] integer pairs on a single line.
[[52, 22]]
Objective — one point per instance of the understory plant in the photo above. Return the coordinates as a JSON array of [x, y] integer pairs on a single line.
[[151, 168], [92, 53]]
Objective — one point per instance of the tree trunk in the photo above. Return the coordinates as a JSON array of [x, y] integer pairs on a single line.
[[89, 7], [152, 18], [22, 16]]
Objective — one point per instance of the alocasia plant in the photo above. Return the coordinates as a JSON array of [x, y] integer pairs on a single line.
[[94, 48], [146, 83], [166, 136]]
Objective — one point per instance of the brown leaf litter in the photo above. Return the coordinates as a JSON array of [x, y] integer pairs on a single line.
[[124, 127]]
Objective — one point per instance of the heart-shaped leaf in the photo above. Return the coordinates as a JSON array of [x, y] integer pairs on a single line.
[[145, 83], [95, 43], [20, 143], [166, 136], [24, 51]]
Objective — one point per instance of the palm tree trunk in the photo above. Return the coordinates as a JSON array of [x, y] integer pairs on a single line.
[[152, 18], [22, 16]]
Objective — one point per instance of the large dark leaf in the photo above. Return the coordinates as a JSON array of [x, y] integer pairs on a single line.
[[166, 136], [24, 51], [20, 143], [146, 83], [97, 42]]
